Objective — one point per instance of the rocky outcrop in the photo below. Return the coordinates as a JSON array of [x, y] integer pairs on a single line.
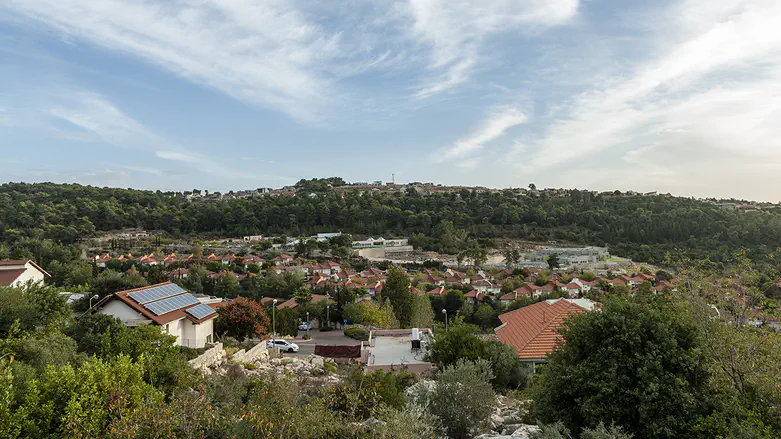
[[310, 366], [507, 421]]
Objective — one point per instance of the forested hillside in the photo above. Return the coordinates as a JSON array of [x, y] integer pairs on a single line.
[[643, 228]]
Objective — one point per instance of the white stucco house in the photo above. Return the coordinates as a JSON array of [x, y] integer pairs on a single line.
[[18, 273], [178, 312]]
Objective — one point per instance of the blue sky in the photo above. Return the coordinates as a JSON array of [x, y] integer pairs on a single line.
[[672, 96]]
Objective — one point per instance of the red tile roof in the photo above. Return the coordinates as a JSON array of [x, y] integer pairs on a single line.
[[532, 330], [22, 263], [7, 277], [438, 291], [291, 303], [474, 294]]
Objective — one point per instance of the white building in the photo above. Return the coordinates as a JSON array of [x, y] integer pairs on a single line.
[[18, 273], [178, 312]]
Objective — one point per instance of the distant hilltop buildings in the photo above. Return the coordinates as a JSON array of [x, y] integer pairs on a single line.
[[421, 188]]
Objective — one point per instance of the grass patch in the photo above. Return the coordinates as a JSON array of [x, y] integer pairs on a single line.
[[249, 366]]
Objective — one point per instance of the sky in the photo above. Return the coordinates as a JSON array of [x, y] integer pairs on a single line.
[[671, 96]]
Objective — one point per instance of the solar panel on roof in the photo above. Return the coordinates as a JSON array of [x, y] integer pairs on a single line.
[[165, 306], [156, 293], [200, 311]]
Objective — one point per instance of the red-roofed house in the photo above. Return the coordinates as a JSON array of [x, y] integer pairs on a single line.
[[485, 287], [474, 296], [192, 329], [532, 330], [438, 291], [573, 289], [19, 272], [516, 294], [291, 303], [101, 260]]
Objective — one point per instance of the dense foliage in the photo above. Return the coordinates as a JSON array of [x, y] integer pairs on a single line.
[[696, 362], [636, 364], [461, 343], [644, 228], [97, 378]]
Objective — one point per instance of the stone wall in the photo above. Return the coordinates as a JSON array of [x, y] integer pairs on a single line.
[[212, 357], [257, 352]]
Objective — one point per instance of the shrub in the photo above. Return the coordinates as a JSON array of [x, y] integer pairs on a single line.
[[326, 329], [357, 333], [329, 366], [463, 398], [461, 343]]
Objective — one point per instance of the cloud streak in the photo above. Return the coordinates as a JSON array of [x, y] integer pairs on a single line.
[[265, 53], [456, 31], [492, 128], [699, 86]]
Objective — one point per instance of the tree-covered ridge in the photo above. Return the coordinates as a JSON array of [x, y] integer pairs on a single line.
[[642, 227]]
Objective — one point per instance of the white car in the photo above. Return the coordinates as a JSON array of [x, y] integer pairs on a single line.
[[283, 345]]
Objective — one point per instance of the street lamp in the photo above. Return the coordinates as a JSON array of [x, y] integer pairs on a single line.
[[274, 316], [444, 311], [328, 315], [307, 324], [95, 297]]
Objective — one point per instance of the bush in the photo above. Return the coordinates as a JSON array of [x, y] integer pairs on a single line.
[[357, 333], [190, 353], [461, 343], [326, 329], [329, 366], [463, 398]]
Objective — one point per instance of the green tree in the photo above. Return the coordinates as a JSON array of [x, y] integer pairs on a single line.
[[241, 319], [485, 316], [396, 290], [553, 261], [422, 314], [638, 364]]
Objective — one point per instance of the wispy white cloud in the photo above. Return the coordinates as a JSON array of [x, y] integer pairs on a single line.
[[710, 87], [722, 64], [456, 31], [101, 121], [264, 53], [497, 123]]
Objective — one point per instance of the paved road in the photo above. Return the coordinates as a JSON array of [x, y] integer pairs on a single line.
[[335, 337]]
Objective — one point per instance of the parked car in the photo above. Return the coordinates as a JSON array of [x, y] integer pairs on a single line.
[[283, 345], [303, 326]]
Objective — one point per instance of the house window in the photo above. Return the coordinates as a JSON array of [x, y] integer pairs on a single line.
[[209, 338], [165, 328]]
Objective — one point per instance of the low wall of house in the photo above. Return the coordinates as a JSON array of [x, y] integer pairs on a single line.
[[259, 351], [211, 357]]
